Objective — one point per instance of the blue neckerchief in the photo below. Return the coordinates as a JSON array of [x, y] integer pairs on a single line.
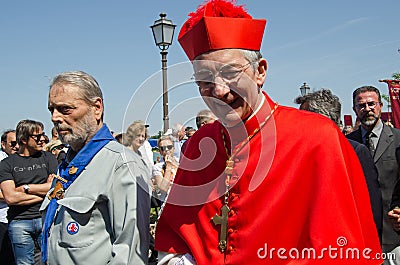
[[80, 161]]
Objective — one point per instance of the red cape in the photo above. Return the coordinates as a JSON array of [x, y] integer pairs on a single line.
[[297, 186]]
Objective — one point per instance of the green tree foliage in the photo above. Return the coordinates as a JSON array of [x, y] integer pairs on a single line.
[[158, 135], [396, 76], [386, 98]]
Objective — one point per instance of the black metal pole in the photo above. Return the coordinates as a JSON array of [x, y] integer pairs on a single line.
[[165, 89]]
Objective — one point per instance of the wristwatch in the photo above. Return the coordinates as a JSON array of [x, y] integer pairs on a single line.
[[26, 188]]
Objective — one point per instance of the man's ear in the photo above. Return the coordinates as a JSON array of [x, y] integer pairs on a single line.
[[98, 108], [262, 72]]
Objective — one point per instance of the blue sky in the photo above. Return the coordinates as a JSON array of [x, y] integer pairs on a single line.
[[339, 45]]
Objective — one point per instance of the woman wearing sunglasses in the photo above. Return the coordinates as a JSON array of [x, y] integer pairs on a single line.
[[163, 173]]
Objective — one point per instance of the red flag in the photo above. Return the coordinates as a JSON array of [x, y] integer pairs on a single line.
[[348, 120], [394, 87]]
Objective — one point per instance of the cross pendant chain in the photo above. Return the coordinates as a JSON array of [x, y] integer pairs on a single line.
[[229, 167], [223, 221]]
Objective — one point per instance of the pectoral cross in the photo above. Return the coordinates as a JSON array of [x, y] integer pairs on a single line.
[[223, 221]]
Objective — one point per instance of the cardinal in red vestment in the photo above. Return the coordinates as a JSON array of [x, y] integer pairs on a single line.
[[265, 183]]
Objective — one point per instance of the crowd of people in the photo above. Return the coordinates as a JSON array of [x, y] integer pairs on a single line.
[[251, 185], [30, 166]]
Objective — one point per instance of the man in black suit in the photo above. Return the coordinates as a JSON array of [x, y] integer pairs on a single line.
[[382, 141], [327, 104]]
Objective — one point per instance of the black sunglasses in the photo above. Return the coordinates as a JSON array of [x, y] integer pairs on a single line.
[[13, 144], [166, 147], [38, 137], [59, 147]]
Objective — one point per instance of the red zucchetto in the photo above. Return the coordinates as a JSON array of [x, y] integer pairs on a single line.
[[219, 24]]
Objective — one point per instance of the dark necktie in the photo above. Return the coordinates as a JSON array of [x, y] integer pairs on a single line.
[[370, 143]]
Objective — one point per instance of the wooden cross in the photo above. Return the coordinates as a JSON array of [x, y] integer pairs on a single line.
[[223, 221]]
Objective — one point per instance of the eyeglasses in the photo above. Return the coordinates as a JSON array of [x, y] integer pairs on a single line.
[[228, 73], [371, 105], [59, 147], [38, 137], [166, 148], [13, 144]]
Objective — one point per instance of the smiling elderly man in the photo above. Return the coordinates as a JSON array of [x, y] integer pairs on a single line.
[[258, 176]]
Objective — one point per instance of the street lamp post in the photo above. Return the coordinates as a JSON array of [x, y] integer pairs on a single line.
[[163, 33], [304, 89]]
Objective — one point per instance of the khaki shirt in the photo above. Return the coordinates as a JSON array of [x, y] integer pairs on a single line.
[[104, 216]]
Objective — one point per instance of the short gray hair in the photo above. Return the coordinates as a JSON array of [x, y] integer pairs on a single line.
[[323, 102], [88, 86], [252, 57], [204, 116], [176, 128]]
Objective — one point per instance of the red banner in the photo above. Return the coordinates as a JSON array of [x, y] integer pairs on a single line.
[[348, 120], [394, 87]]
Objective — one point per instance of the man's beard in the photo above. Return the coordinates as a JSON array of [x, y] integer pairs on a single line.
[[78, 136], [367, 121]]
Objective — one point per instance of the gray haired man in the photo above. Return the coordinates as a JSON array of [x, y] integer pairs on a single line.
[[97, 211]]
